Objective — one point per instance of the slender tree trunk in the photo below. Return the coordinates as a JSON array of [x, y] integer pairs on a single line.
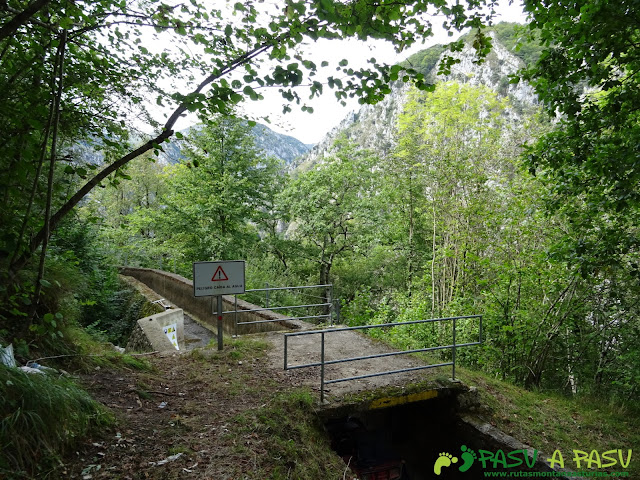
[[59, 73], [411, 227], [433, 262]]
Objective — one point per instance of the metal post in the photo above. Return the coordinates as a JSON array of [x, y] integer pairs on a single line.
[[235, 314], [453, 352], [219, 311], [330, 302], [322, 369], [267, 294], [286, 338]]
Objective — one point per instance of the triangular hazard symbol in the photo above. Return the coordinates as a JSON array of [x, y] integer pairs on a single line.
[[219, 275]]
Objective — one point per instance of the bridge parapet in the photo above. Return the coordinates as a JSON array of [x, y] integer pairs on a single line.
[[179, 290]]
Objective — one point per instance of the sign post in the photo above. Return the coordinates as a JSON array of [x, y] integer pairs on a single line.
[[216, 279], [219, 310]]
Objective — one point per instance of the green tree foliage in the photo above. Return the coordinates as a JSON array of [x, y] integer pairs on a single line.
[[120, 210], [470, 224], [588, 75], [218, 196], [449, 150], [474, 235], [211, 205], [332, 208], [519, 40], [76, 72], [426, 59], [111, 68]]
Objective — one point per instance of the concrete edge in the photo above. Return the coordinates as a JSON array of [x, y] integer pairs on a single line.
[[502, 439], [153, 325]]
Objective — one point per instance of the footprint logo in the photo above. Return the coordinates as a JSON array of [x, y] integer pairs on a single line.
[[468, 457], [444, 460]]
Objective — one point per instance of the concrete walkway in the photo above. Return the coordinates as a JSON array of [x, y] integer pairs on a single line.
[[339, 345]]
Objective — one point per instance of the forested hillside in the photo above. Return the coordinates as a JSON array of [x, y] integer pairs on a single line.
[[497, 175]]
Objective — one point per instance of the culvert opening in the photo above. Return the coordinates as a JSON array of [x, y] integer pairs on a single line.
[[414, 441]]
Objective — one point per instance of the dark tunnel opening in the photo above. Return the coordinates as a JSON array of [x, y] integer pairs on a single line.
[[414, 441]]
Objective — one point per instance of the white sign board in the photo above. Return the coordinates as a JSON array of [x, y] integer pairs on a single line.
[[171, 331], [218, 278]]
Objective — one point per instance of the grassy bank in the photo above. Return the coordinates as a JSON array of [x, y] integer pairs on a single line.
[[550, 422]]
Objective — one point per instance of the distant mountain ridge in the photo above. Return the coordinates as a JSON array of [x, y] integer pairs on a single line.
[[273, 144]]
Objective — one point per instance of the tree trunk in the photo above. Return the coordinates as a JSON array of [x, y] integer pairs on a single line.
[[57, 97]]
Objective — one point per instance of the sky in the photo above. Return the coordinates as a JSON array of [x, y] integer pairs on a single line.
[[328, 113]]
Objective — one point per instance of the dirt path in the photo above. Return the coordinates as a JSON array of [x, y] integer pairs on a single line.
[[195, 415], [306, 349]]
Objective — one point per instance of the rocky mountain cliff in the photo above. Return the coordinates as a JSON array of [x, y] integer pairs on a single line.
[[373, 126]]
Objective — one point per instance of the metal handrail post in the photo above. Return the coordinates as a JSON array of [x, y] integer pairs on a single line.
[[330, 302], [235, 314], [267, 294], [286, 338], [322, 369], [453, 352]]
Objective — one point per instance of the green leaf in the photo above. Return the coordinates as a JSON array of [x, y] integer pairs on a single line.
[[66, 23]]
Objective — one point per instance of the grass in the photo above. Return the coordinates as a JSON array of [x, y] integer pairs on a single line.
[[287, 438], [41, 416], [79, 352], [550, 422], [229, 415], [283, 438]]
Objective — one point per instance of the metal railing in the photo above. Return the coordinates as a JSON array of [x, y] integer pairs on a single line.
[[323, 362], [268, 289]]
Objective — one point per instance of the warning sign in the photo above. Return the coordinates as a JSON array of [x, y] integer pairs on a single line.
[[219, 275], [171, 331], [218, 278]]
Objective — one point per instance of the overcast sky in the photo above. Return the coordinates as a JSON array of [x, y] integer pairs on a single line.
[[311, 128]]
